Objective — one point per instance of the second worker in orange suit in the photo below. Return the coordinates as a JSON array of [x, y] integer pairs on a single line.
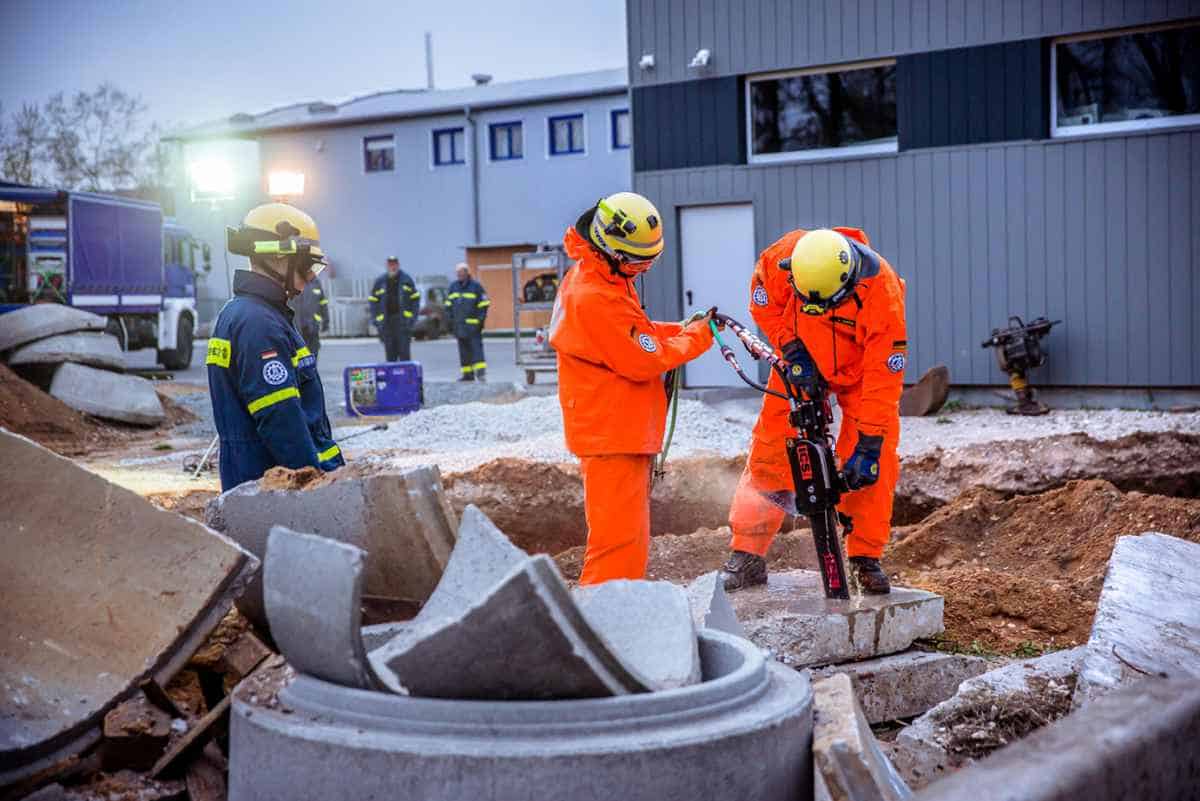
[[611, 361], [835, 309]]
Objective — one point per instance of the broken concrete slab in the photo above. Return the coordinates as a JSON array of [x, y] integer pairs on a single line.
[[400, 519], [526, 639], [906, 684], [710, 605], [791, 617], [91, 348], [986, 712], [135, 733], [928, 395], [847, 760], [45, 320], [113, 396], [101, 591], [649, 623], [1147, 620], [1137, 742]]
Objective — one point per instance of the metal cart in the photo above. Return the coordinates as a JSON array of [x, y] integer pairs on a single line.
[[536, 355]]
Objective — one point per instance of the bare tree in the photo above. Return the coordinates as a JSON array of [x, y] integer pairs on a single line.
[[98, 140], [22, 144]]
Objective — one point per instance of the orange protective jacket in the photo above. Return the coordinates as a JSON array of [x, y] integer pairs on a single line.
[[611, 358], [861, 342]]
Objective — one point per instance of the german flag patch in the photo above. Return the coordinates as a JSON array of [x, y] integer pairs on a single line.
[[900, 344], [268, 354]]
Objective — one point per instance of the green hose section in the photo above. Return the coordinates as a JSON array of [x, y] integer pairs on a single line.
[[661, 463], [716, 334]]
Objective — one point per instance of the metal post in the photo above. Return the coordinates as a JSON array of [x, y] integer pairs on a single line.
[[429, 60]]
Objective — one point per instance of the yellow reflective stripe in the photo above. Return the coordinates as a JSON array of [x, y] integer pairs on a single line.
[[380, 291], [480, 365], [373, 299], [324, 301], [275, 397], [300, 354], [219, 351], [453, 295], [379, 318], [415, 295], [318, 318], [328, 453], [473, 320], [466, 368], [408, 314], [316, 291], [483, 304], [470, 295]]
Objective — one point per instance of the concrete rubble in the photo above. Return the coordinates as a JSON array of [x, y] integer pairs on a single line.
[[792, 618], [44, 320], [400, 519], [1147, 622], [102, 591], [91, 348], [848, 764], [906, 684], [711, 607], [113, 396]]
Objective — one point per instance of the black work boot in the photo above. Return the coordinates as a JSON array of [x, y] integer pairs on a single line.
[[870, 575], [744, 570], [481, 374], [467, 377]]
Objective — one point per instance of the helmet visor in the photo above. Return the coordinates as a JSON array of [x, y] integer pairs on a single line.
[[635, 264]]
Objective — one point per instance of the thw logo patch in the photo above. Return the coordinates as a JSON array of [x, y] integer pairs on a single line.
[[647, 342], [760, 296]]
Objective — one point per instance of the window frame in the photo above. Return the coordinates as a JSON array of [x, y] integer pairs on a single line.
[[378, 138], [1122, 126], [508, 126], [582, 117], [456, 158], [821, 153], [612, 128]]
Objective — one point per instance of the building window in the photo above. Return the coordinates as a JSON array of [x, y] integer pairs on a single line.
[[622, 132], [506, 143], [1128, 81], [448, 146], [823, 113], [566, 135], [379, 153]]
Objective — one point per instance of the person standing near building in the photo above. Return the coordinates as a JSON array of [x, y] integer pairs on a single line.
[[312, 316], [395, 299], [468, 304]]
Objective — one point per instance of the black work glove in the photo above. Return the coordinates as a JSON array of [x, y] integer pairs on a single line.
[[802, 370], [862, 468]]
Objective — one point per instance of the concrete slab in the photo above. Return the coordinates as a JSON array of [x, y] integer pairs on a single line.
[[906, 684], [1148, 618], [525, 640], [113, 396], [45, 320], [101, 591], [711, 607], [791, 616], [847, 761], [95, 349], [1137, 742], [930, 747], [649, 623], [400, 519]]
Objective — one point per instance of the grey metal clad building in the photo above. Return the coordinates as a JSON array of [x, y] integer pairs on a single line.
[[1007, 157]]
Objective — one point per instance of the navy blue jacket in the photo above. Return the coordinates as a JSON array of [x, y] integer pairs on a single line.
[[468, 304], [267, 398], [408, 298]]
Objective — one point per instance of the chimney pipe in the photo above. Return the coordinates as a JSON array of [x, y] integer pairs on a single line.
[[481, 78], [429, 60]]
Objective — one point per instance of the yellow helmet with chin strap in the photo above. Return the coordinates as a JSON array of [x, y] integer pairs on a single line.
[[628, 228], [823, 270], [278, 229]]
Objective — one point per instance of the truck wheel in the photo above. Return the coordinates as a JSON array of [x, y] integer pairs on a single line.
[[181, 357]]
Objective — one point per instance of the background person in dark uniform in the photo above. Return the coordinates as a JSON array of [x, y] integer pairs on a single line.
[[395, 300], [312, 315], [468, 304]]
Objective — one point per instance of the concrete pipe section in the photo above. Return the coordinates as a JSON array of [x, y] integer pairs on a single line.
[[745, 732]]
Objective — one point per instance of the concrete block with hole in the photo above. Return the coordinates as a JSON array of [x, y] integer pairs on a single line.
[[848, 764], [92, 348], [113, 396], [907, 684], [45, 320]]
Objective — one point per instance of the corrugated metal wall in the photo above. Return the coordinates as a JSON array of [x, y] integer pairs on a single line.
[[760, 35], [1103, 234]]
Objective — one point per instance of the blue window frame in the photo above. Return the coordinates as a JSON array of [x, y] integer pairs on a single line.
[[566, 134], [622, 132], [449, 147], [505, 141]]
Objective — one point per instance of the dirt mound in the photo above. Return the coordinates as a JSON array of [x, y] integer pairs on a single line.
[[308, 478], [1029, 568], [190, 503], [26, 410]]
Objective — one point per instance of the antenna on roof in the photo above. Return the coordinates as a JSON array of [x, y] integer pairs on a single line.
[[429, 60]]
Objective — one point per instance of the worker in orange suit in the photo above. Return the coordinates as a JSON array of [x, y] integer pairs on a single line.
[[834, 308], [611, 361]]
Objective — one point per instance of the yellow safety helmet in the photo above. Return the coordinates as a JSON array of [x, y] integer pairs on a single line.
[[279, 229], [823, 270], [628, 228]]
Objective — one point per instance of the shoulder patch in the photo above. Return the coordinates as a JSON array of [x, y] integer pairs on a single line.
[[647, 342], [274, 373], [896, 362], [759, 296], [268, 354]]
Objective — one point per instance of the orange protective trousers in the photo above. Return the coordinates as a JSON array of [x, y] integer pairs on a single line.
[[616, 502]]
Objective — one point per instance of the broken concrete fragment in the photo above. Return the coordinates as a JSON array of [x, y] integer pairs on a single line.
[[987, 712], [113, 396], [1147, 621], [928, 395], [95, 349], [791, 616], [135, 733], [45, 320], [649, 623], [525, 639], [1138, 742], [906, 684], [710, 605], [847, 760], [101, 591], [400, 519]]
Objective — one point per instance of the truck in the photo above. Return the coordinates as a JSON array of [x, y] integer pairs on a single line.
[[110, 255]]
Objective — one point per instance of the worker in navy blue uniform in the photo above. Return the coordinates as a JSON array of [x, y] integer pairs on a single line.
[[468, 304], [395, 299], [268, 403], [312, 315]]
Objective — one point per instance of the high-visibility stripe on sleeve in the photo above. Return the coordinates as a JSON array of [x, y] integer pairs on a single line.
[[373, 299], [472, 321], [219, 351], [328, 453], [302, 352], [453, 295], [483, 304], [415, 296], [379, 318], [407, 313], [469, 295], [258, 404], [316, 291], [324, 301], [318, 318]]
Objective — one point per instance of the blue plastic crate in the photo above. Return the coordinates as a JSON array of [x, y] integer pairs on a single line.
[[384, 388]]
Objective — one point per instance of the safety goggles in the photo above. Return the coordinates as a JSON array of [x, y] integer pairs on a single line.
[[635, 264]]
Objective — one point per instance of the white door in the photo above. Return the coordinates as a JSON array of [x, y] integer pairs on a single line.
[[718, 260]]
